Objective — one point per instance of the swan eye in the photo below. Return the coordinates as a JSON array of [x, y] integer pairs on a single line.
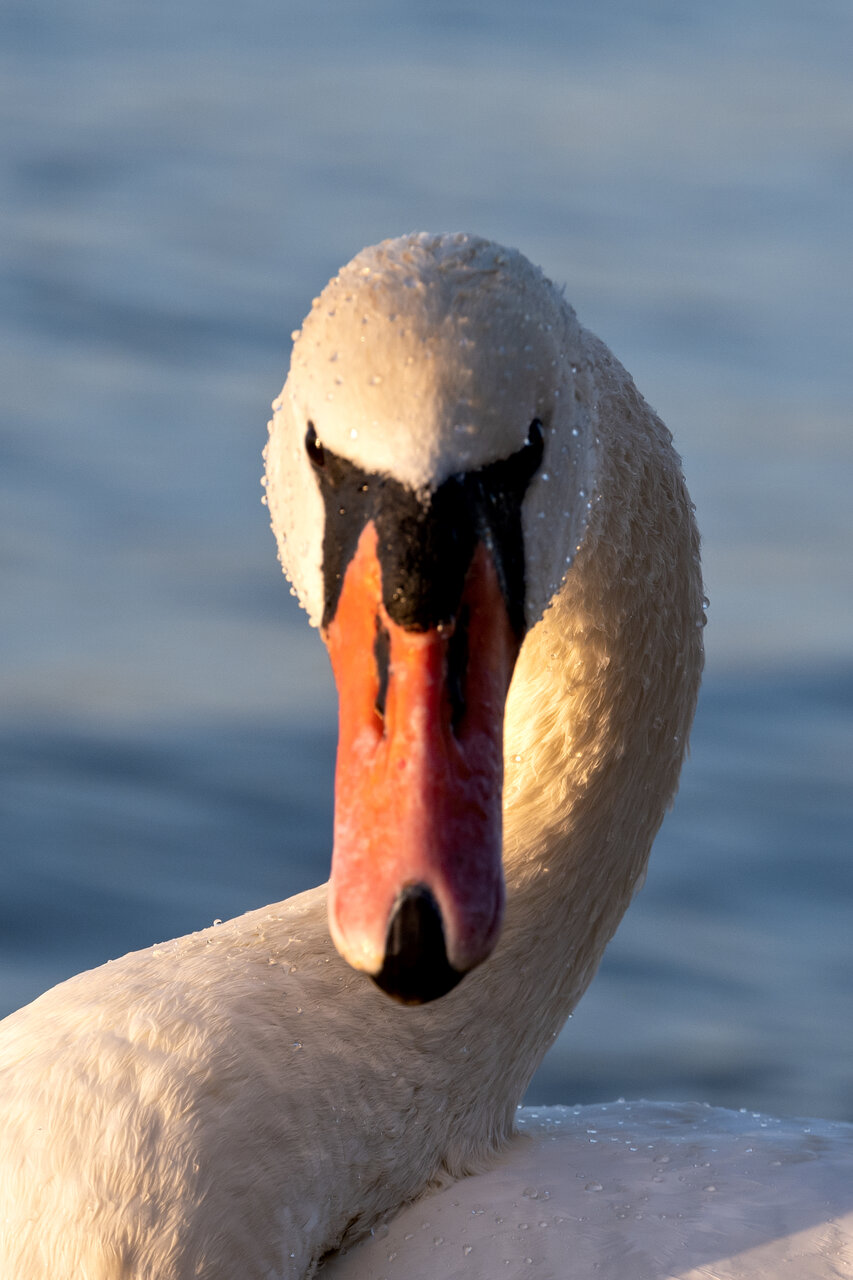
[[313, 448], [534, 435]]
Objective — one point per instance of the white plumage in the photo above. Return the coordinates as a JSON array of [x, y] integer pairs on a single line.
[[236, 1104], [633, 1191]]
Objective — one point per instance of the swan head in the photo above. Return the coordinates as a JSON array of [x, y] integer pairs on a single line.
[[420, 473]]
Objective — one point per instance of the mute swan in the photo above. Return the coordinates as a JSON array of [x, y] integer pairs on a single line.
[[466, 489]]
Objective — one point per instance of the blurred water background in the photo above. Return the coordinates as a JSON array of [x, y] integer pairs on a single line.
[[179, 181]]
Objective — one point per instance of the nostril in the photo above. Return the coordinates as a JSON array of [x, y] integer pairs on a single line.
[[457, 668], [416, 969], [382, 658]]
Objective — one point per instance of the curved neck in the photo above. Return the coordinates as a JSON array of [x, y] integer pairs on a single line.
[[597, 722]]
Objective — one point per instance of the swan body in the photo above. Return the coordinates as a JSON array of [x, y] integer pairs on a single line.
[[633, 1191], [242, 1102]]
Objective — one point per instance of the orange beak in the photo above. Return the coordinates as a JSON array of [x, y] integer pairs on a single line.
[[416, 892]]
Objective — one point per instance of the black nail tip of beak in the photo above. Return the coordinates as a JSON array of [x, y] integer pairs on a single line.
[[416, 968]]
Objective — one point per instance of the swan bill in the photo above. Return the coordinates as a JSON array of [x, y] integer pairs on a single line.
[[423, 617], [416, 969], [419, 778]]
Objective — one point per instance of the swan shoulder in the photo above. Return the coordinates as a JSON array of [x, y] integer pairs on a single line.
[[638, 1188]]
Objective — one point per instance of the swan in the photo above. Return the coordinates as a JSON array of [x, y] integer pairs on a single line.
[[491, 529]]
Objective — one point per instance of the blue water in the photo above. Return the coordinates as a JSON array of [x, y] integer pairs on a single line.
[[179, 181]]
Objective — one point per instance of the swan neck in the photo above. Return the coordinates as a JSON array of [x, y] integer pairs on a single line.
[[597, 722]]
